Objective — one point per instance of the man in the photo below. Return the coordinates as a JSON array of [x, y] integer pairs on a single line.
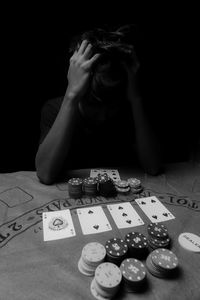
[[100, 122]]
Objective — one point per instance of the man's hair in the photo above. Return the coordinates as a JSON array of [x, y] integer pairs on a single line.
[[115, 47]]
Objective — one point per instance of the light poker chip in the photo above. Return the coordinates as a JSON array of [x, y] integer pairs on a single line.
[[189, 241], [58, 223], [134, 183], [108, 276], [122, 184], [123, 190], [93, 253], [157, 230], [94, 292]]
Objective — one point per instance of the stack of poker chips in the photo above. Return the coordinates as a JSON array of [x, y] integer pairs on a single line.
[[90, 186], [158, 236], [162, 263], [135, 185], [106, 187], [75, 187], [137, 245], [122, 186], [106, 281], [133, 275], [92, 255], [116, 250]]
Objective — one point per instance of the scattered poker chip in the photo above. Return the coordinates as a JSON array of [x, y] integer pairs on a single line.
[[106, 281], [58, 223], [137, 244], [92, 255], [162, 262], [133, 274], [75, 187], [158, 236], [116, 250]]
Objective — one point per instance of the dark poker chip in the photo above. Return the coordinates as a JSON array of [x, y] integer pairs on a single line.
[[157, 230], [116, 250], [137, 244]]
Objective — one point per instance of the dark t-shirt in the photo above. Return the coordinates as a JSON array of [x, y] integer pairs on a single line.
[[111, 145]]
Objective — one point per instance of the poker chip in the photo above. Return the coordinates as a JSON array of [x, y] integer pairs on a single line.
[[116, 250], [106, 281], [137, 244], [58, 223], [133, 274], [162, 263], [92, 255], [122, 186], [106, 185], [158, 236], [75, 187], [135, 185], [189, 241], [90, 186]]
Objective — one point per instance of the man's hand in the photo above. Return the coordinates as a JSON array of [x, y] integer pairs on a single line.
[[79, 71]]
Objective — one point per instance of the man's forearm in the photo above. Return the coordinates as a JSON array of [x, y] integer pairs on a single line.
[[147, 145], [54, 149]]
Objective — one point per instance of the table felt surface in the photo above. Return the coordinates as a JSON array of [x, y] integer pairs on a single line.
[[32, 269]]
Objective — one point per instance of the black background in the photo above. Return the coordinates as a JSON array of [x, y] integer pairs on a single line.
[[34, 60]]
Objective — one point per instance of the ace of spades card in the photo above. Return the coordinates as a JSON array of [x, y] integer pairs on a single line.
[[93, 220], [154, 209]]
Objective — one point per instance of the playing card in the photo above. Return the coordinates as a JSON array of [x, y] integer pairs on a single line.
[[57, 225], [154, 209], [93, 220], [113, 174], [124, 215]]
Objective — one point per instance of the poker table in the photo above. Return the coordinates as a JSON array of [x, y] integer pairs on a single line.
[[32, 269]]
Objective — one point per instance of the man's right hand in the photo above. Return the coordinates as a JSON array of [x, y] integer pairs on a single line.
[[80, 68]]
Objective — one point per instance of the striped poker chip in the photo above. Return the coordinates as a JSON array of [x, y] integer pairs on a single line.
[[108, 276], [123, 190], [164, 259], [75, 181], [90, 181], [157, 230], [58, 223], [122, 184], [116, 247], [133, 270], [134, 183]]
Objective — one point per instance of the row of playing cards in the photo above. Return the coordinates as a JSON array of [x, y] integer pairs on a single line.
[[59, 224]]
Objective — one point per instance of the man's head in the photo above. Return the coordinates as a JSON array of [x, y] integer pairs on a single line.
[[107, 88]]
